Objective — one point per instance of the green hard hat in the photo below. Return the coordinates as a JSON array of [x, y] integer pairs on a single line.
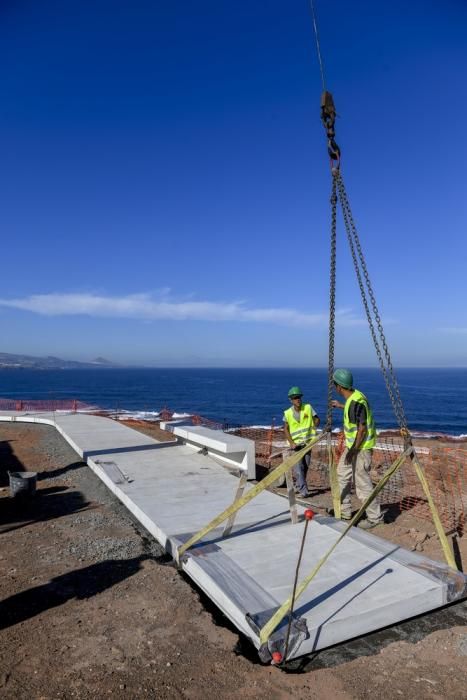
[[344, 378], [295, 391]]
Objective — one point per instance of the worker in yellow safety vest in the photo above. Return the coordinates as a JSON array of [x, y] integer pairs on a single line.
[[360, 438], [300, 423]]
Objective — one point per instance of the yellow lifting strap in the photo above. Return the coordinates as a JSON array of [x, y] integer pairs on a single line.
[[278, 616], [334, 482], [252, 493], [434, 512]]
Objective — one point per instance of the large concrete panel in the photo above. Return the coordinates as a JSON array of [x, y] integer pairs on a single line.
[[367, 583]]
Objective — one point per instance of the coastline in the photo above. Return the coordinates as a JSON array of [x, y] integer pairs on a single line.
[[435, 401]]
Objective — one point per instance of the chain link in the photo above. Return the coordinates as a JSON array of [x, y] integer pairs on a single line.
[[328, 116], [359, 262], [332, 297]]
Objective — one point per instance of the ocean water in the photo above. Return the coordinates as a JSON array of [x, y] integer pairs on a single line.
[[435, 400]]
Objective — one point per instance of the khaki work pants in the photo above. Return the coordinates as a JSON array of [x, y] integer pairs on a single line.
[[359, 470]]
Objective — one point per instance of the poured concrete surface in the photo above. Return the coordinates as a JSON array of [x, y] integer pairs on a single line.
[[368, 583]]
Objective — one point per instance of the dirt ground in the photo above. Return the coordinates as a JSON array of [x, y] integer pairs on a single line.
[[90, 607]]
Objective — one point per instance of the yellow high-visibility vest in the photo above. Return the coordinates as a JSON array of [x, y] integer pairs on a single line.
[[301, 430], [350, 429]]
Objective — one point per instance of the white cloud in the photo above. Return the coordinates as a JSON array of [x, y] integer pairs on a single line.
[[145, 307]]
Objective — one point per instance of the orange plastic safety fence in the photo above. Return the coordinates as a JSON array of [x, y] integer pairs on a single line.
[[445, 467], [33, 405]]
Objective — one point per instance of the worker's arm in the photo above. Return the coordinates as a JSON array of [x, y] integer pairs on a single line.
[[359, 440], [287, 435], [316, 420], [337, 404], [360, 437]]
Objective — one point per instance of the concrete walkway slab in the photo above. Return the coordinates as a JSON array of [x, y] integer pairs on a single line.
[[367, 583]]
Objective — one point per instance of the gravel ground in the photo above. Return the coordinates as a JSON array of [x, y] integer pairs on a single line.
[[90, 607]]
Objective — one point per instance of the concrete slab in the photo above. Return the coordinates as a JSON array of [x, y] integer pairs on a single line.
[[231, 450], [368, 583]]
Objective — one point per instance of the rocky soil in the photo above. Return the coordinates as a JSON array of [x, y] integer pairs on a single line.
[[90, 607]]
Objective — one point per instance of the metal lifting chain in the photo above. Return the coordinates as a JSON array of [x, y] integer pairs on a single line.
[[359, 262], [332, 303], [328, 117]]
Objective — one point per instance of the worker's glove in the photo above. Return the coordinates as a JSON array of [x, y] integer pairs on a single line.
[[297, 448], [350, 455]]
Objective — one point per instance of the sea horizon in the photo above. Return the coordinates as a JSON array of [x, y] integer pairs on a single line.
[[435, 399], [115, 366]]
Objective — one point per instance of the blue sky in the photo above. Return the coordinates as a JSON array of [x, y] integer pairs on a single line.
[[165, 185]]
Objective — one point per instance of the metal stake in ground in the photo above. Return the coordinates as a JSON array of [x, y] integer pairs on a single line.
[[309, 515]]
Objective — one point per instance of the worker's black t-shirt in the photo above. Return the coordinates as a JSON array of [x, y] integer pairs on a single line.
[[357, 413]]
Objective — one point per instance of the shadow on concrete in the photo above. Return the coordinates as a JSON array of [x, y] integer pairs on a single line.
[[216, 535], [81, 584], [271, 521], [347, 602], [304, 609], [47, 504], [8, 462], [130, 448]]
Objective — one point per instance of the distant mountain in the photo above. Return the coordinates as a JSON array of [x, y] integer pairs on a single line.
[[11, 361]]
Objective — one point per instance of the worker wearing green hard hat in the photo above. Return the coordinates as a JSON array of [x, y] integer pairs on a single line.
[[300, 423], [360, 438], [343, 377]]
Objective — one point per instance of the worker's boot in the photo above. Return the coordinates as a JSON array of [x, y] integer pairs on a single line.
[[369, 524]]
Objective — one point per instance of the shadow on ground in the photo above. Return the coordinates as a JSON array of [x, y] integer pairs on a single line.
[[60, 472], [8, 462], [47, 504], [81, 584]]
